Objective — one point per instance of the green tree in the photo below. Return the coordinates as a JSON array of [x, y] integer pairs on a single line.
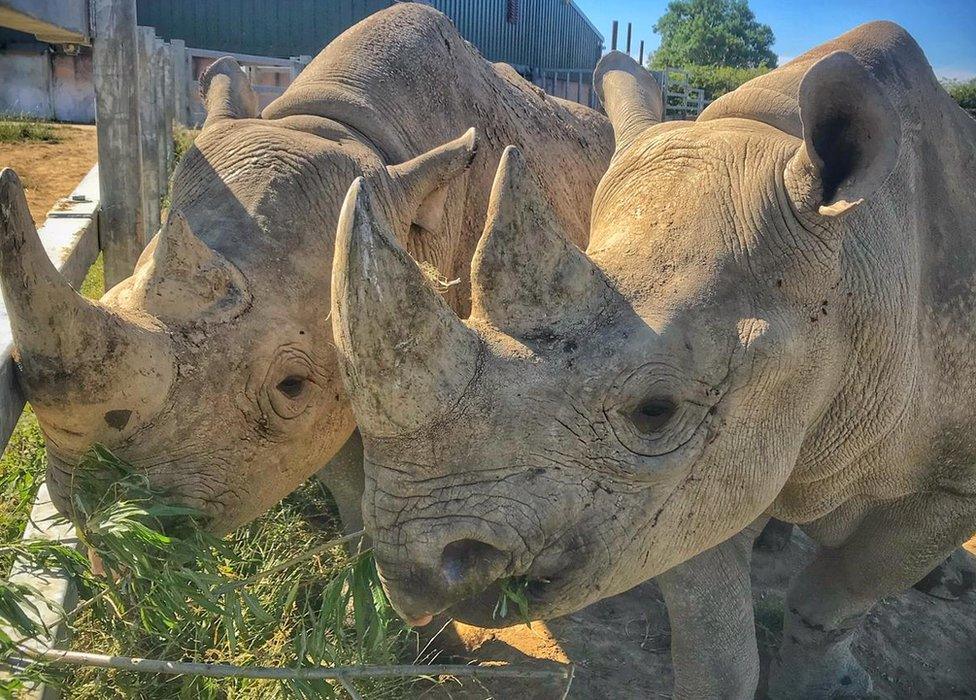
[[712, 33], [963, 92]]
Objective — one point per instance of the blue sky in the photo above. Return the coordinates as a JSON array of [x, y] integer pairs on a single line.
[[946, 29]]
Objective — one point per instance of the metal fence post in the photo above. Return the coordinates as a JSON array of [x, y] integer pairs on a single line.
[[147, 131], [116, 78]]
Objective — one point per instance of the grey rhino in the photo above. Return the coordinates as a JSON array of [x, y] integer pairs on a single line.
[[774, 316], [212, 367]]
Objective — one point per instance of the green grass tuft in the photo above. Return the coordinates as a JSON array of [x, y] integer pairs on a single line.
[[513, 591], [173, 591], [23, 130]]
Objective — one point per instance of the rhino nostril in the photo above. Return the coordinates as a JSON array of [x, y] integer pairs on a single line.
[[471, 561]]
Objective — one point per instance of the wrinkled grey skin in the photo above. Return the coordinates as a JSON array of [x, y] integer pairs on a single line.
[[774, 315], [212, 368]]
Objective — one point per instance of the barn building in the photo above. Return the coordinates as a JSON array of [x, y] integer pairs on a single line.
[[529, 34], [550, 42]]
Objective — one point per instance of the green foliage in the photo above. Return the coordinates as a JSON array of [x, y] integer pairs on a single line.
[[21, 130], [182, 140], [718, 80], [712, 33], [513, 590], [962, 91], [276, 592], [21, 470]]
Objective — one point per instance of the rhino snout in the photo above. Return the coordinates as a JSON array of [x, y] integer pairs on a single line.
[[451, 572]]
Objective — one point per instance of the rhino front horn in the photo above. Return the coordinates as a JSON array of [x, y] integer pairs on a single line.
[[79, 362], [404, 354], [630, 94]]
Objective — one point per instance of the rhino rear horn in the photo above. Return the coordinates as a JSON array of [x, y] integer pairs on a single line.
[[424, 179], [190, 282], [71, 350], [630, 95], [226, 92], [404, 354], [526, 276]]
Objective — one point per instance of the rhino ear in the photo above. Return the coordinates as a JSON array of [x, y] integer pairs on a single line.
[[851, 137], [526, 276], [630, 94], [424, 180], [226, 92]]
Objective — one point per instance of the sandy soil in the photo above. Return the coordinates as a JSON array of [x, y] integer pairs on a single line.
[[914, 645], [50, 171]]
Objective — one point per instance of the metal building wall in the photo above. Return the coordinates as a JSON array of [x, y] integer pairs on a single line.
[[281, 28], [547, 33]]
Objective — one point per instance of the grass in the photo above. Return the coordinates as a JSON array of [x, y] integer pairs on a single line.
[[278, 592], [329, 610], [22, 130], [513, 592]]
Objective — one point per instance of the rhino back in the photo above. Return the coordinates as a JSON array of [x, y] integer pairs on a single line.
[[407, 81]]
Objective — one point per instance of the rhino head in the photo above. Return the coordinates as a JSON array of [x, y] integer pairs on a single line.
[[211, 369], [604, 415]]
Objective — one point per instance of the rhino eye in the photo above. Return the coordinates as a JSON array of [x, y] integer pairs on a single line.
[[654, 414], [292, 386]]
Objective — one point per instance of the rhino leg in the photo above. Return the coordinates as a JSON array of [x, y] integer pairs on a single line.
[[774, 537], [893, 547], [343, 476], [713, 633]]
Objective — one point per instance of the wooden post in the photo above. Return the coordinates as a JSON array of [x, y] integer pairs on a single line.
[[298, 64], [159, 91], [147, 130], [116, 77], [613, 37], [169, 105], [629, 28], [180, 76]]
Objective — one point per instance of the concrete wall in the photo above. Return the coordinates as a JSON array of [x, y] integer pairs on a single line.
[[47, 85]]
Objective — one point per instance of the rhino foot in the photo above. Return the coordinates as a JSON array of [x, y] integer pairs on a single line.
[[775, 536], [950, 580], [832, 676]]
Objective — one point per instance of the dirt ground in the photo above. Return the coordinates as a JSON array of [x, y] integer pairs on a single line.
[[50, 171], [914, 645]]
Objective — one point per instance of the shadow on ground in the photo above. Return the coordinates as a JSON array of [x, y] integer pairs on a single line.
[[913, 644]]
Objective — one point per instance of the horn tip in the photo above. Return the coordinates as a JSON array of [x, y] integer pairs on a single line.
[[10, 185], [511, 165], [352, 213], [13, 205]]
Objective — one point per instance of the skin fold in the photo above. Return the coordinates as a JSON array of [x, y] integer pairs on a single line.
[[773, 316], [212, 369]]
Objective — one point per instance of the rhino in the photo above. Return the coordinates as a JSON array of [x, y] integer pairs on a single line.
[[211, 369], [773, 317]]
